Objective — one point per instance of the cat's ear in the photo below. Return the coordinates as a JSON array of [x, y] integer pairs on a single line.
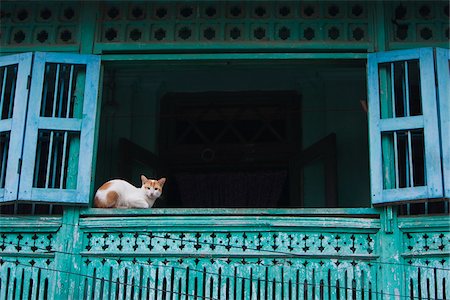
[[143, 179], [162, 181]]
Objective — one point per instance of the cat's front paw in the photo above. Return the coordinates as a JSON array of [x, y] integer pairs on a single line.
[[139, 204]]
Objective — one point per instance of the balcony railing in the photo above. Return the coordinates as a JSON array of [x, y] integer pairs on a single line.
[[225, 254]]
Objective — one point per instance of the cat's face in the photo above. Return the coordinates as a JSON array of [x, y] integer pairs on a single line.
[[152, 188]]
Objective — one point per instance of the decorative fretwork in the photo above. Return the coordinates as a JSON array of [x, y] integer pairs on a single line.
[[427, 277], [36, 24], [232, 242], [227, 278], [426, 243], [127, 25], [26, 277], [177, 256], [235, 22], [30, 243], [418, 22]]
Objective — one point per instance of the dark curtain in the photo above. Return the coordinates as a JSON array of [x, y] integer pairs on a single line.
[[231, 189]]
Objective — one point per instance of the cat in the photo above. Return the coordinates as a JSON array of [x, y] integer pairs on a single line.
[[119, 193]]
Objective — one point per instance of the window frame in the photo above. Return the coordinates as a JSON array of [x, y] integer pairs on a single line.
[[26, 122], [16, 124], [427, 121], [85, 126], [443, 80]]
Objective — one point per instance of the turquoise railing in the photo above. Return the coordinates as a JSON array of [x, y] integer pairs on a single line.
[[225, 254]]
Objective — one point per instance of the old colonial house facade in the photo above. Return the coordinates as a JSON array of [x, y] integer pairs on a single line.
[[306, 146]]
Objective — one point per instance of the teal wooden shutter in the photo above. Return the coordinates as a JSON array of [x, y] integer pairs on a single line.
[[443, 79], [14, 72], [405, 161], [59, 137]]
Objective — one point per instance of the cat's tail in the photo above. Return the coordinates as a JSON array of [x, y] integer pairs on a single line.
[[108, 200]]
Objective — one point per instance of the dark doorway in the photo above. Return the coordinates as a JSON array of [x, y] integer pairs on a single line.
[[230, 149]]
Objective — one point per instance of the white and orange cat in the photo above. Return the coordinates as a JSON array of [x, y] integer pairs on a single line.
[[119, 193]]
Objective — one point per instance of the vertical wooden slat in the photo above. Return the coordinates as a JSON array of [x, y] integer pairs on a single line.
[[26, 285], [220, 284], [392, 87], [99, 283], [13, 92], [237, 283], [61, 91], [297, 289], [118, 279], [410, 162], [357, 280], [49, 158], [86, 285], [45, 90], [178, 289], [431, 127], [397, 176], [18, 283], [94, 287], [69, 94], [41, 286], [127, 280], [63, 161], [406, 90], [349, 282], [2, 95], [203, 280], [244, 273], [256, 277], [137, 275], [217, 280], [147, 281], [189, 284], [4, 139], [372, 283], [56, 154], [423, 282], [334, 275], [286, 281], [169, 286], [38, 159], [55, 92], [439, 291]]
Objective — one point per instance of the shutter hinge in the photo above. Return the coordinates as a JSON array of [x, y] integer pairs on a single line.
[[28, 82], [19, 166]]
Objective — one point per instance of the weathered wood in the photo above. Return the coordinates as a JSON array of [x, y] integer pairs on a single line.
[[231, 256]]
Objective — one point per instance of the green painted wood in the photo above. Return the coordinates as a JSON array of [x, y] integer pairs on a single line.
[[231, 56], [88, 18], [231, 258], [385, 126], [80, 132], [391, 282], [13, 126], [241, 212], [219, 26], [74, 147]]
